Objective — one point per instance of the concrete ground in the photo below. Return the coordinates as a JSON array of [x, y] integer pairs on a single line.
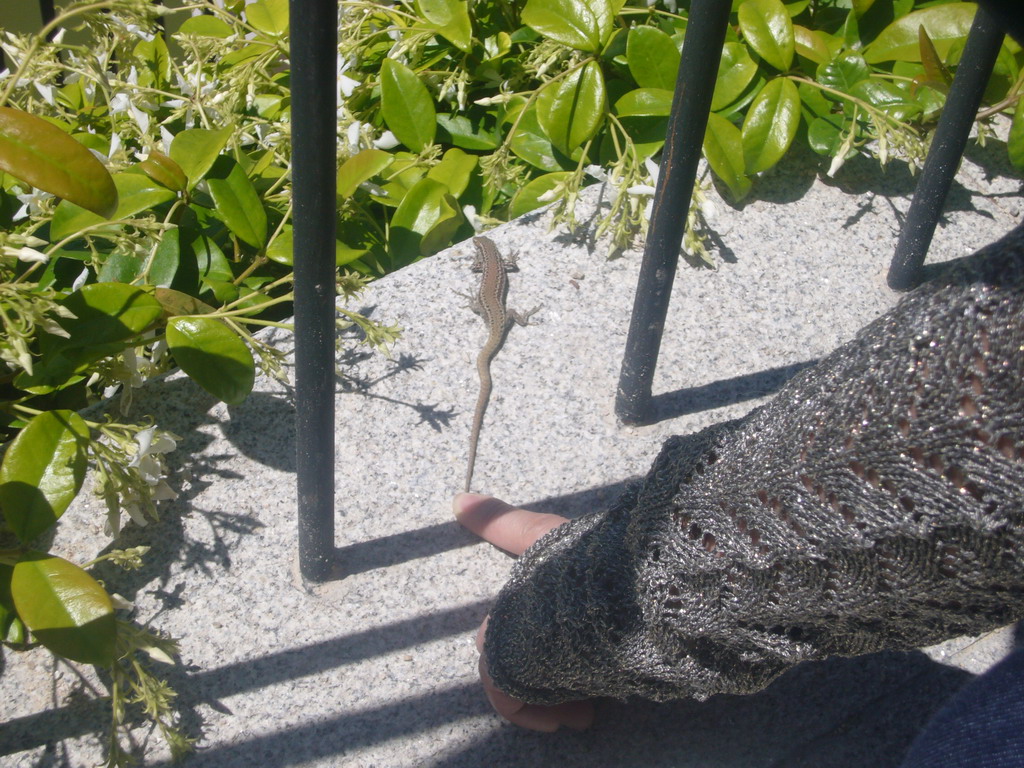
[[379, 668]]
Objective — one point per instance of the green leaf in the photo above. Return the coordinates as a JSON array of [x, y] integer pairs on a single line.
[[527, 198], [454, 171], [735, 72], [766, 26], [945, 25], [572, 109], [136, 193], [652, 57], [406, 106], [119, 267], [270, 16], [427, 213], [531, 144], [810, 44], [236, 202], [282, 250], [463, 132], [825, 135], [935, 73], [161, 169], [106, 313], [176, 303], [166, 259], [205, 26], [361, 167], [585, 25], [195, 150], [41, 154], [1015, 141], [42, 472], [11, 628], [723, 148], [770, 125], [451, 20], [843, 73], [644, 102], [213, 356], [889, 97], [66, 608]]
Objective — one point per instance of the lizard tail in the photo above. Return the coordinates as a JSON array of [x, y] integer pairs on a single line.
[[483, 368]]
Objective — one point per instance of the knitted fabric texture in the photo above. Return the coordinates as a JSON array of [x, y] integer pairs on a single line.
[[875, 503]]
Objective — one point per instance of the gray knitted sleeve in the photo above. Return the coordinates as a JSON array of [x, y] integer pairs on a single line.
[[875, 503]]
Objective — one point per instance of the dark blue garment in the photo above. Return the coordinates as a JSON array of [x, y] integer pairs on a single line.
[[982, 726]]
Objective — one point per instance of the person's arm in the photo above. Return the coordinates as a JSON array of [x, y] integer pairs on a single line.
[[875, 503]]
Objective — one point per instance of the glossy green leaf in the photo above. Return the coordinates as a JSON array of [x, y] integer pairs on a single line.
[[176, 303], [41, 154], [427, 209], [460, 131], [136, 193], [105, 313], [571, 110], [767, 28], [210, 259], [723, 148], [811, 44], [1015, 140], [843, 73], [770, 125], [406, 106], [891, 98], [585, 25], [213, 356], [282, 250], [361, 167], [205, 26], [236, 202], [528, 198], [166, 259], [945, 25], [196, 149], [42, 472], [531, 144], [644, 102], [825, 135], [161, 169], [451, 20], [935, 72], [66, 608], [455, 171], [735, 72], [652, 57], [11, 628], [270, 16], [120, 267]]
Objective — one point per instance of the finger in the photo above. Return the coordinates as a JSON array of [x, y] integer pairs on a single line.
[[503, 525], [578, 715]]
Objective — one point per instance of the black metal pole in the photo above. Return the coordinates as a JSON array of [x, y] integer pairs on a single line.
[[979, 57], [314, 51], [691, 103]]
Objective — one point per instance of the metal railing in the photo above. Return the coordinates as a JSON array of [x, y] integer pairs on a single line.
[[313, 27]]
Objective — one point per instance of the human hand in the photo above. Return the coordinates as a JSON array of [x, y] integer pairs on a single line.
[[514, 530]]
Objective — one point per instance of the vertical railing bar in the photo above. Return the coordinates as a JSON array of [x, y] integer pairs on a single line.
[[314, 51], [691, 103], [979, 57]]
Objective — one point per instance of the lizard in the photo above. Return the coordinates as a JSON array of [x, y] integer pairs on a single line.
[[490, 304]]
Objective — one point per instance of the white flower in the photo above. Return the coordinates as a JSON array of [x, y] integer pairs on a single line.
[[31, 203], [80, 280], [386, 140], [597, 172], [46, 91], [26, 254], [146, 458]]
